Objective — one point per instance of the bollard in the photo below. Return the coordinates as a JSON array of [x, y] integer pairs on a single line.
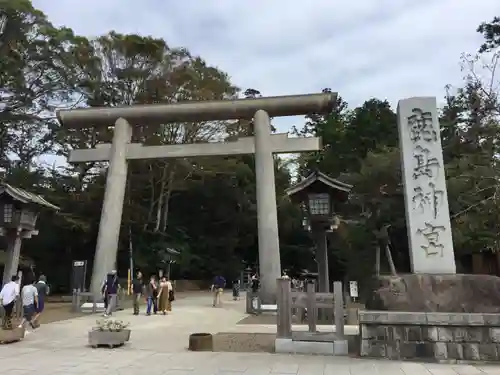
[[340, 345], [284, 302], [78, 301], [73, 301], [352, 316], [312, 313], [338, 297]]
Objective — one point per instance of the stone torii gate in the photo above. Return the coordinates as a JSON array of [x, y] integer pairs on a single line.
[[263, 145]]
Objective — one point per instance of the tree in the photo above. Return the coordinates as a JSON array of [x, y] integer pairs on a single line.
[[491, 34], [33, 79]]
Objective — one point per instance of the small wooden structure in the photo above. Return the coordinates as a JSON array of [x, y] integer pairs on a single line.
[[288, 300], [18, 215]]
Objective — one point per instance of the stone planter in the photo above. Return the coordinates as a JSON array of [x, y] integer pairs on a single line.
[[8, 336], [108, 338]]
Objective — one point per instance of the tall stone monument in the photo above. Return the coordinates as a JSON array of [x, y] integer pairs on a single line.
[[434, 285], [426, 198]]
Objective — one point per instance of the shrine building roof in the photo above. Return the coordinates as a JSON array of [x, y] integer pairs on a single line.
[[25, 197], [318, 182]]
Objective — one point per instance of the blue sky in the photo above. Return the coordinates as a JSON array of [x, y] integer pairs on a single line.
[[389, 49]]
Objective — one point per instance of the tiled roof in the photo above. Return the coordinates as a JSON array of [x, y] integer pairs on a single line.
[[318, 176], [24, 196]]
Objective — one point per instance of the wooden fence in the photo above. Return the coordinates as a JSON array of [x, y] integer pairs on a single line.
[[292, 301]]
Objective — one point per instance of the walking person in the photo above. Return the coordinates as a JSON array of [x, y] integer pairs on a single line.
[[8, 297], [104, 293], [152, 296], [43, 291], [218, 289], [111, 292], [29, 297], [236, 290], [255, 284], [171, 294], [163, 295], [137, 290]]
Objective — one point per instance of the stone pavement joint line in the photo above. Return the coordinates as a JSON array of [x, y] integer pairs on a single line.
[[158, 346]]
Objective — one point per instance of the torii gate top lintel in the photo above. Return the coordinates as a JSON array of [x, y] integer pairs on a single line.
[[155, 114]]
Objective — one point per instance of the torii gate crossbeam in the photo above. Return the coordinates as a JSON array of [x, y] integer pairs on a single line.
[[280, 144]]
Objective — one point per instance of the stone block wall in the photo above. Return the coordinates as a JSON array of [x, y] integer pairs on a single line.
[[431, 336]]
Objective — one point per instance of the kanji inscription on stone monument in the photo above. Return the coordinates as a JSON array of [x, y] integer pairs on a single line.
[[426, 199]]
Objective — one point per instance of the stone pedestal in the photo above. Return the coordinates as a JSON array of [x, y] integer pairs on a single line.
[[451, 293], [431, 336]]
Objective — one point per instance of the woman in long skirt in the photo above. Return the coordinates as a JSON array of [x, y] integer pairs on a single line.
[[163, 296], [171, 295]]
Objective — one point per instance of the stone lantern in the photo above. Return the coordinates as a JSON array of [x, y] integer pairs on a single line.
[[319, 196], [19, 211]]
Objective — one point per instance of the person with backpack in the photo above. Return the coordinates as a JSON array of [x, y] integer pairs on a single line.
[[43, 291], [111, 292], [218, 289]]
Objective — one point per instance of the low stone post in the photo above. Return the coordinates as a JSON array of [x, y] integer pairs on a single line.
[[73, 301], [248, 300], [312, 314], [284, 318], [340, 345], [77, 300], [338, 298]]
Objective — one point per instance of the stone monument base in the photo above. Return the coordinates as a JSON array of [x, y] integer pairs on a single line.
[[433, 317], [432, 336], [452, 293]]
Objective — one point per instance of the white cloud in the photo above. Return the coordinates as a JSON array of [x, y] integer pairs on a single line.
[[387, 48]]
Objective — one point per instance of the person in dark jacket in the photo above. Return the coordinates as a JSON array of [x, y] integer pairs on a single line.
[[255, 284], [43, 291], [236, 290], [111, 290], [137, 290], [152, 296], [218, 288]]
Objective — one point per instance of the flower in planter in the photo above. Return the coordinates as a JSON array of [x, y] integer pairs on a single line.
[[112, 325]]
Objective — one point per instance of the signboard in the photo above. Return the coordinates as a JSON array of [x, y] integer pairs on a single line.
[[79, 273], [353, 289]]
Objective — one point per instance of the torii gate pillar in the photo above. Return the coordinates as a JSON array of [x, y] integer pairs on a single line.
[[112, 207], [267, 214]]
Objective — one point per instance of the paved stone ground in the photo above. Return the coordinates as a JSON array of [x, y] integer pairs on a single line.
[[158, 347]]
